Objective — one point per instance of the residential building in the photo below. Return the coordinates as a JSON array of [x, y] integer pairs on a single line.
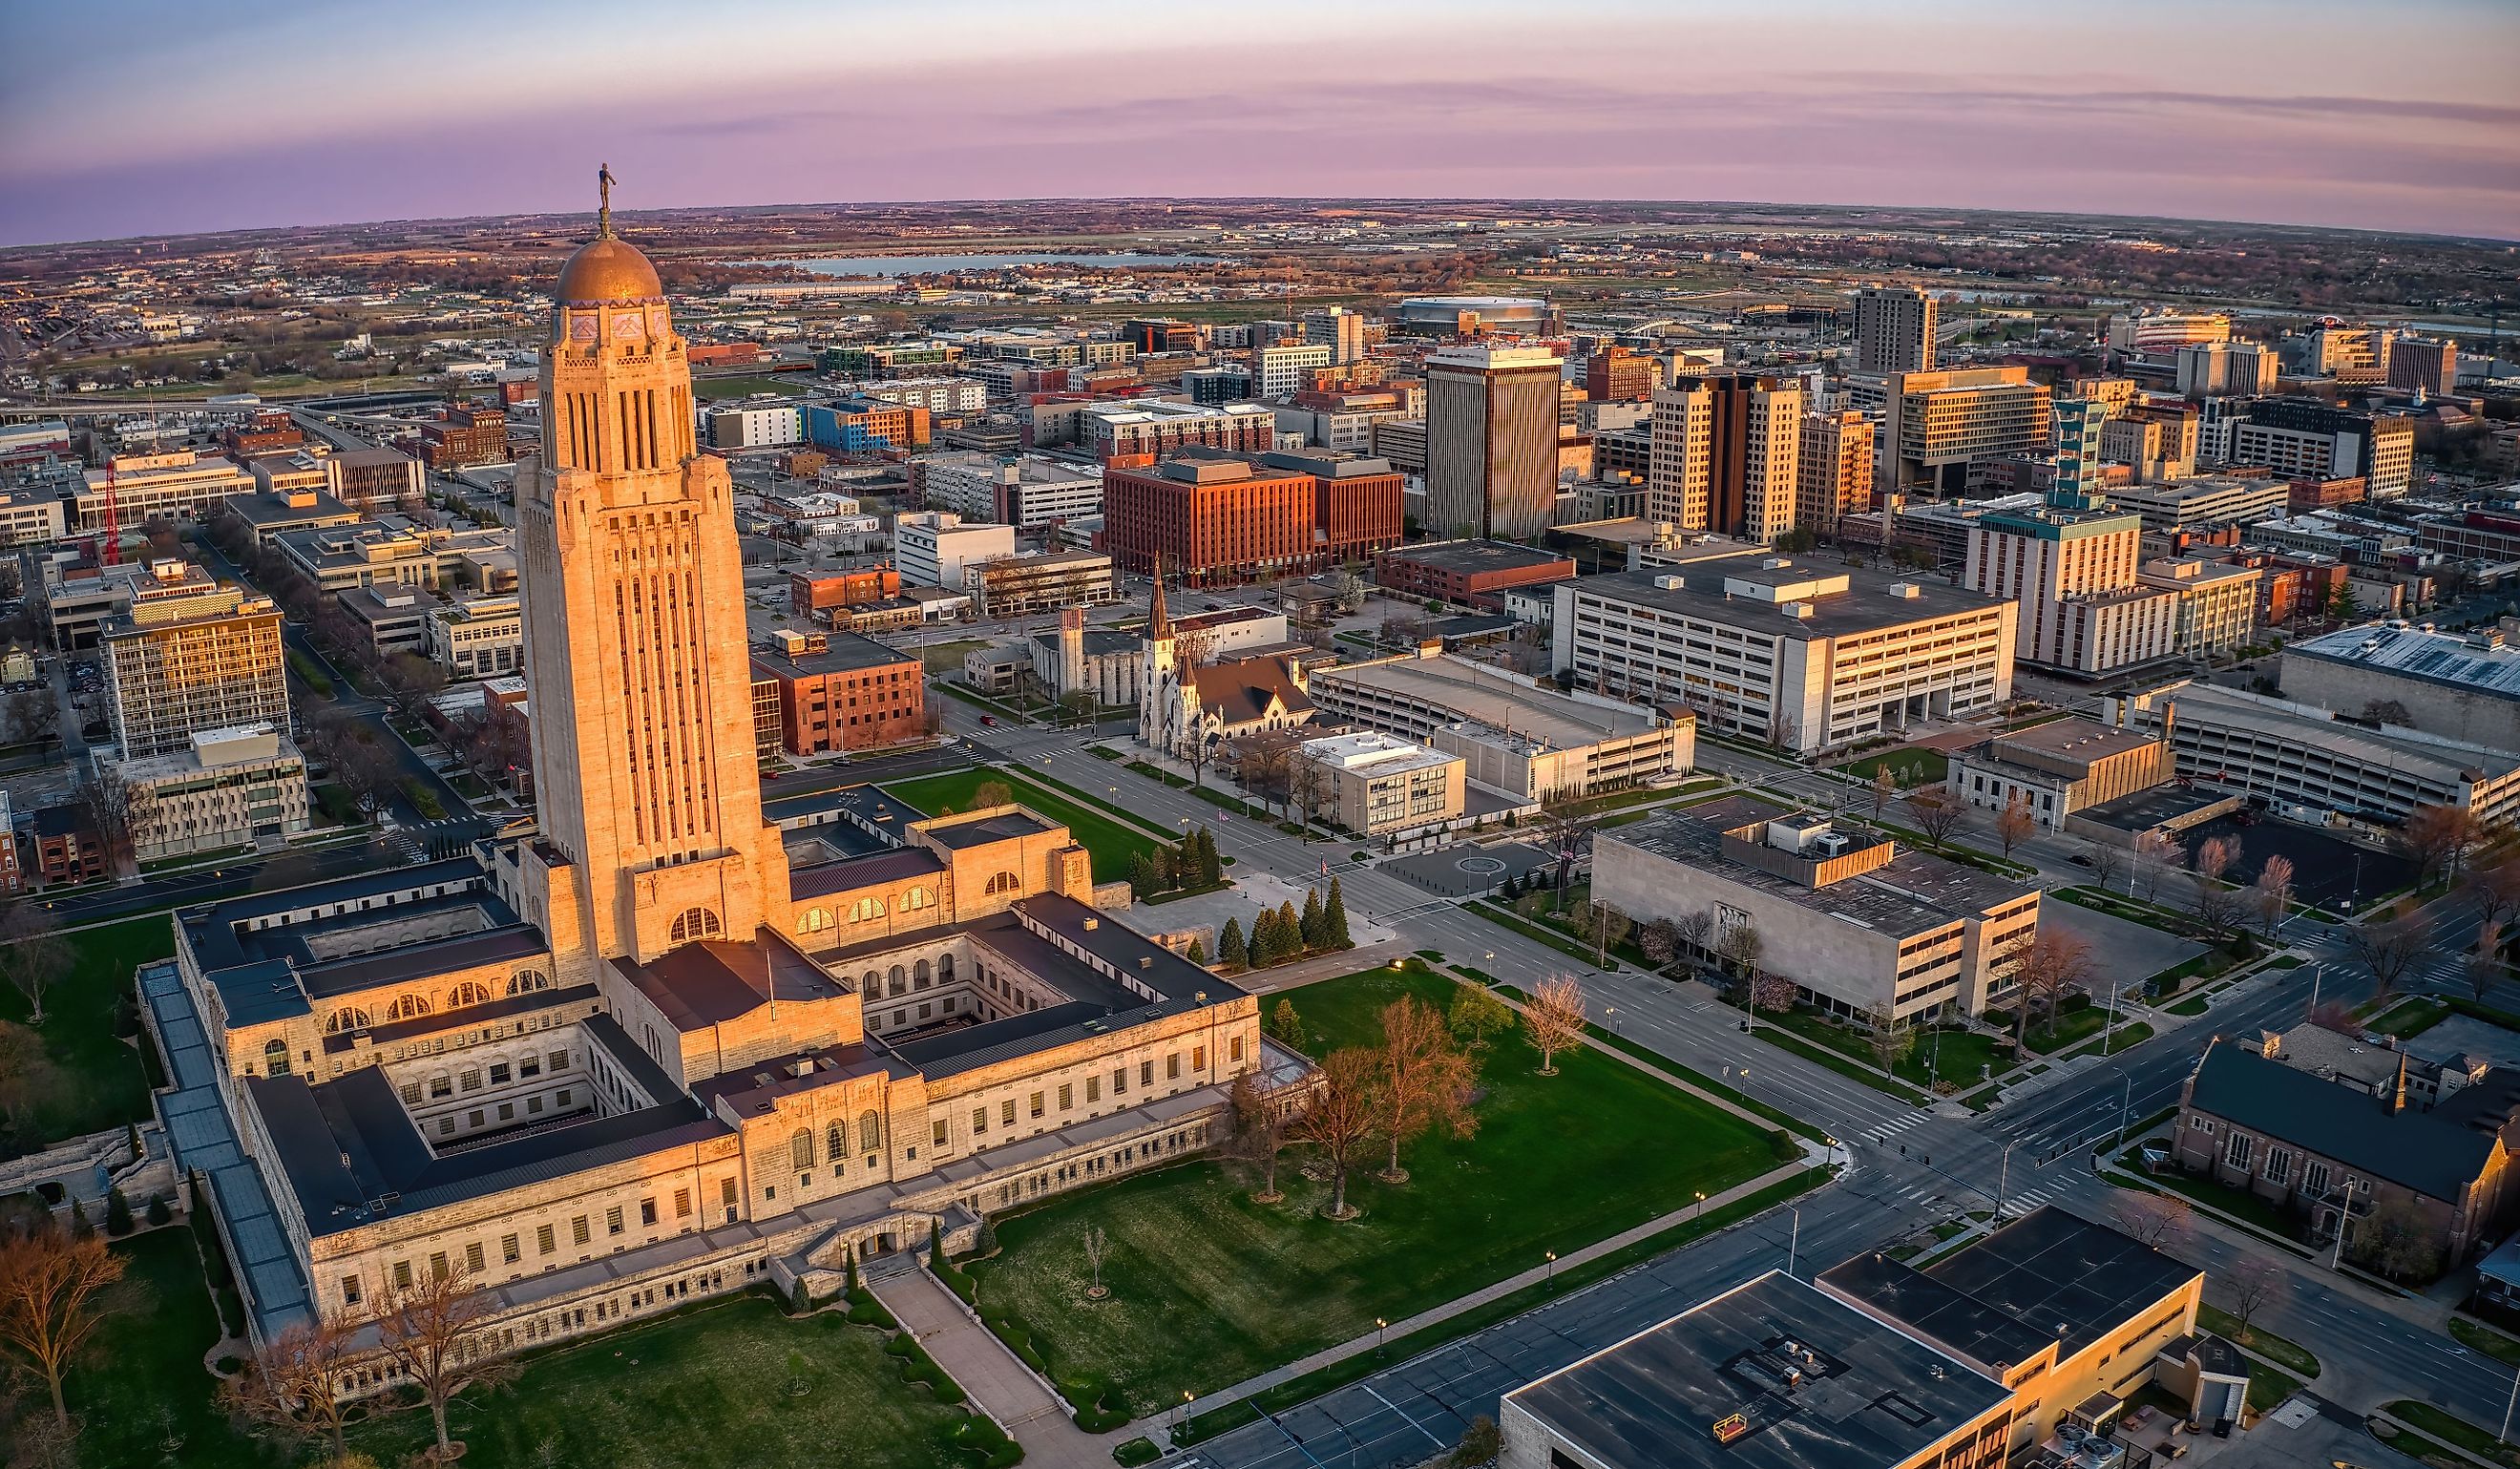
[[1806, 657], [2218, 603], [1465, 573], [2213, 500], [476, 637], [936, 548], [1340, 330], [191, 654], [2157, 331], [1726, 455], [1216, 385], [1376, 786], [176, 485], [2330, 1149], [1521, 740], [1040, 581], [2073, 571], [464, 436], [2157, 440], [2297, 438], [69, 849], [1279, 370], [1144, 430], [2225, 369], [224, 789], [1028, 491], [2460, 687], [1614, 374], [839, 692], [2058, 768], [866, 425], [1492, 440], [940, 396], [757, 425], [1894, 330], [1209, 515], [1938, 423], [1833, 470], [1861, 925]]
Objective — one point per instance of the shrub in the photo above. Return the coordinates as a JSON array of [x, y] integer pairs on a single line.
[[231, 1311], [1781, 1145], [1136, 1452], [159, 1215], [800, 1299], [117, 1214], [1106, 1411]]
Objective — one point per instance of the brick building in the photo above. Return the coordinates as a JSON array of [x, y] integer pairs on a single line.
[[462, 436], [1212, 516], [815, 596], [1467, 573], [841, 692]]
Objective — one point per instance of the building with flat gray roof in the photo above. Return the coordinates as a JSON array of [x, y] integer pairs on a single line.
[[2463, 686]]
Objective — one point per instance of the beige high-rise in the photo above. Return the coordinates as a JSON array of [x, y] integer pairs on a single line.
[[1834, 479], [1894, 330], [1727, 452], [635, 643]]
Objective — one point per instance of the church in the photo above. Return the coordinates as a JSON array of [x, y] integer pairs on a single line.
[[630, 1057]]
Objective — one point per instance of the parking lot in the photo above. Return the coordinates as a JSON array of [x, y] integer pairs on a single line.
[[2326, 869]]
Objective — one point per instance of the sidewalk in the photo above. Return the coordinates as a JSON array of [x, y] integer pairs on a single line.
[[1813, 1156], [1002, 1386]]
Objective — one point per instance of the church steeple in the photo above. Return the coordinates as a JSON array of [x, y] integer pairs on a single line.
[[1159, 625]]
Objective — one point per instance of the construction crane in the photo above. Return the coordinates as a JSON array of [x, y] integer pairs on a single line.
[[112, 551]]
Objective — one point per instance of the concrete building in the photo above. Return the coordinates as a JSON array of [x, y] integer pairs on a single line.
[[2219, 368], [940, 396], [2424, 366], [1040, 581], [2158, 331], [2072, 569], [1938, 423], [1279, 370], [2058, 768], [1807, 657], [1726, 455], [1376, 786], [839, 692], [1518, 739], [224, 789], [2218, 603], [1475, 316], [1027, 492], [476, 637], [1614, 374], [30, 515], [2156, 440], [177, 485], [1833, 470], [269, 513], [2298, 438], [1465, 573], [1492, 440], [191, 654], [2460, 687], [2215, 499], [757, 425], [1338, 329], [936, 548], [391, 618], [1894, 330]]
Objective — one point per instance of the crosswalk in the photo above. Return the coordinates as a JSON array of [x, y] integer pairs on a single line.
[[1893, 1128]]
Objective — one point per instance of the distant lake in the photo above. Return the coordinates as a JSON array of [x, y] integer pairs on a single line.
[[927, 265]]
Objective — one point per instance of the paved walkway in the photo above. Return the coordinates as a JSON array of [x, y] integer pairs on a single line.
[[971, 1354]]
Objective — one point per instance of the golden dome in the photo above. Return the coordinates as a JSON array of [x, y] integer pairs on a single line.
[[609, 269]]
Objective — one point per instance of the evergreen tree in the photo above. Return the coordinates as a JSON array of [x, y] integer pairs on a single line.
[[852, 1286], [1211, 867], [1230, 950], [936, 1252], [1263, 940], [159, 1216], [117, 1214], [81, 1226], [1198, 953], [1141, 874], [1334, 919], [1315, 936], [1290, 930]]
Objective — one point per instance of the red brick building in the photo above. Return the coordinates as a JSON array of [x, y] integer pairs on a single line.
[[1467, 573], [1619, 375], [1215, 516], [841, 691], [266, 433], [813, 597], [723, 353], [68, 847], [2324, 494], [464, 435]]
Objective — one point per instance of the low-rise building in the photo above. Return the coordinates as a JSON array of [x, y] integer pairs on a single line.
[[270, 513], [476, 637], [2460, 687], [841, 692], [30, 515], [816, 595], [228, 788], [374, 479], [68, 847], [1467, 573], [934, 548], [177, 485], [465, 436], [1377, 785], [1027, 491], [2178, 504], [1040, 581], [2058, 768], [392, 619], [757, 425], [1860, 927]]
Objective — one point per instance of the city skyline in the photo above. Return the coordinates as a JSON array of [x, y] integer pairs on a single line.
[[2235, 112]]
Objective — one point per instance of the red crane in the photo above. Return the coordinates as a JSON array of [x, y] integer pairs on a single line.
[[111, 553]]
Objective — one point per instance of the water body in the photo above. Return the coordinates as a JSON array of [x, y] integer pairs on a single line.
[[922, 265]]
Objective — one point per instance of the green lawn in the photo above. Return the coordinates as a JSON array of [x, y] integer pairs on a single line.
[[946, 657], [1108, 840], [2478, 1337], [2294, 1356], [712, 389], [1914, 765], [2412, 1017], [92, 1077], [1960, 1057], [2067, 1029], [1208, 1288], [2238, 1203], [2457, 1432]]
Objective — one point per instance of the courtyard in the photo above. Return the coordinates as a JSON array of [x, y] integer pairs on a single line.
[[88, 1076], [1208, 1288], [1108, 840]]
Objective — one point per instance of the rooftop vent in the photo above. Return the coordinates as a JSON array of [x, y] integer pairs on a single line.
[[1800, 612], [1092, 924], [1145, 961], [1906, 591], [1671, 583]]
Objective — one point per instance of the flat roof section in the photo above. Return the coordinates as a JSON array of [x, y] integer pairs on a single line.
[[2059, 1271], [1873, 602], [1470, 558], [1476, 694], [1816, 1383], [2444, 658]]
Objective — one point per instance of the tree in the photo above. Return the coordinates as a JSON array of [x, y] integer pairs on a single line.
[[1211, 867], [1885, 789], [1310, 923], [2106, 860], [1426, 1082], [2439, 838], [2047, 964], [1230, 950], [1658, 940], [1739, 946], [1694, 929], [1936, 812], [2254, 1284], [1891, 1036], [1290, 931], [2155, 854], [2396, 1240], [298, 1382], [1304, 787], [1334, 915], [2214, 901], [1761, 990], [1481, 1444], [33, 954], [117, 1213], [2484, 961], [1340, 1122], [2271, 894], [117, 811], [1285, 1025], [2387, 947], [1476, 1013], [50, 1285], [1260, 1125], [2151, 1219], [1197, 953], [990, 793], [1098, 1248], [2496, 889], [1265, 769], [435, 1331], [1608, 925], [1554, 1017], [2015, 823]]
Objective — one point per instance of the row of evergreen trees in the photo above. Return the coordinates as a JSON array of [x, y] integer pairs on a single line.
[[1190, 863], [1537, 880], [1281, 933]]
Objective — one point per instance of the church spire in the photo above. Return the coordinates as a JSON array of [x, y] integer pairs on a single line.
[[1159, 625]]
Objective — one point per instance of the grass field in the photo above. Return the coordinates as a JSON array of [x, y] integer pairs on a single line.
[[714, 390], [1208, 1288], [1108, 840], [1914, 765], [91, 1079]]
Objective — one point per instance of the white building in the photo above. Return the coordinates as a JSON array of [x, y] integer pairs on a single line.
[[1282, 368], [2165, 331], [938, 395], [2073, 572], [1375, 784], [1028, 491], [755, 425], [227, 788], [934, 548], [476, 637]]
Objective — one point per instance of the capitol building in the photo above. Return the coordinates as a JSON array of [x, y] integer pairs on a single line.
[[631, 1058]]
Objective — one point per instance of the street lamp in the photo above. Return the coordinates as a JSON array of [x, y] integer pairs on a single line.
[[1793, 1242], [2004, 1178], [1379, 1325], [1552, 1273], [1699, 1216]]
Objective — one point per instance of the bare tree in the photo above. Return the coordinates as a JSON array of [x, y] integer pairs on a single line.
[[1891, 1036], [2153, 1219], [2272, 894], [1739, 946], [435, 1332], [2387, 947], [2254, 1284], [2047, 964], [1554, 1017], [33, 954], [1340, 1123], [1264, 766], [1260, 1124], [1659, 941], [1936, 812], [51, 1284], [1695, 928], [2484, 961], [1885, 789], [298, 1383], [2496, 889], [1304, 785], [2155, 854], [1426, 1081], [2106, 862], [2015, 823], [1098, 1247], [2439, 838]]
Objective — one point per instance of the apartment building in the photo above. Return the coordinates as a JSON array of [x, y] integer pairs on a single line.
[[757, 425], [1726, 455], [1894, 330], [2218, 602], [866, 425], [1279, 370], [2073, 571], [1492, 440], [1834, 472], [191, 654], [1938, 423], [940, 396], [1806, 657], [1141, 431], [1338, 329]]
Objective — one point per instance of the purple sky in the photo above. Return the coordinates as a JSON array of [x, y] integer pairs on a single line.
[[145, 117]]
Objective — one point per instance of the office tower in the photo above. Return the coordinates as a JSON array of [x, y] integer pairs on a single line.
[[2221, 369], [2081, 424], [1894, 330], [1279, 370], [2301, 439], [1340, 330], [1620, 375], [191, 655], [1938, 422], [1727, 450], [1835, 479], [2073, 566], [2423, 365], [1490, 440]]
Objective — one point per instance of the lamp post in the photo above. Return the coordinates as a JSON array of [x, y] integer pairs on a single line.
[[2108, 1037], [2504, 1437], [1551, 1273], [1379, 1326], [2124, 1098], [1793, 1242], [1698, 1217], [2004, 1178]]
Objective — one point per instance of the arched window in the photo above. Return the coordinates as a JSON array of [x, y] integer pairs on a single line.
[[528, 981], [814, 920], [945, 967], [900, 977], [800, 1149], [467, 993], [872, 985], [408, 1007], [347, 1017], [836, 1142], [919, 972], [697, 923], [1003, 882], [867, 908], [869, 1133], [919, 897], [275, 1058]]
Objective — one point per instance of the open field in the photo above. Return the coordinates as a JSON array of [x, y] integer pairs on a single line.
[[91, 1078], [1109, 841]]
